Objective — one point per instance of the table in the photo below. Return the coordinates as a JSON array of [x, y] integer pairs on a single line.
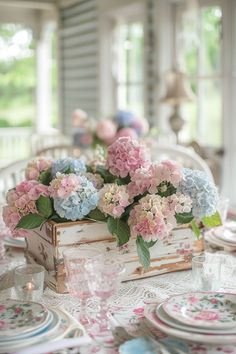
[[127, 305]]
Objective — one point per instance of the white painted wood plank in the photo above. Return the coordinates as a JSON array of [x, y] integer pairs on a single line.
[[79, 40], [83, 17], [86, 50], [78, 8], [79, 29]]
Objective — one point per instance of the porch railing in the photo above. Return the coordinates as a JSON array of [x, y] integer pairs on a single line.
[[15, 144]]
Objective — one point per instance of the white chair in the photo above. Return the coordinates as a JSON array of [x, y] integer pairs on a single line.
[[11, 175], [60, 151], [47, 140], [186, 156]]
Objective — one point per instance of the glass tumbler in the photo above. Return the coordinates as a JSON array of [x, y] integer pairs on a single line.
[[206, 273], [29, 282]]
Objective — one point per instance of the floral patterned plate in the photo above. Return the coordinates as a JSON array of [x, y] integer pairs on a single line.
[[162, 315], [20, 317], [57, 330], [214, 339], [202, 309]]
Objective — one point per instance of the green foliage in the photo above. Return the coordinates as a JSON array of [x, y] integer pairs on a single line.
[[45, 177], [143, 252], [212, 221], [120, 229], [106, 175], [184, 218], [195, 228], [44, 206], [30, 221], [96, 214], [166, 189]]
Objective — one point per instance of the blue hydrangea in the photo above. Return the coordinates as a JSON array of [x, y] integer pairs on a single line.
[[68, 165], [79, 203], [201, 189], [124, 118]]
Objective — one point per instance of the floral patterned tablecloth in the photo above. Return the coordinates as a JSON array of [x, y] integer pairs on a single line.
[[127, 305]]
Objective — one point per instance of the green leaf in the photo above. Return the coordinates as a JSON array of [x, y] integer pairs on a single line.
[[30, 221], [123, 181], [106, 175], [212, 221], [184, 218], [143, 252], [96, 214], [45, 177], [150, 244], [165, 189], [195, 228], [44, 206], [120, 229]]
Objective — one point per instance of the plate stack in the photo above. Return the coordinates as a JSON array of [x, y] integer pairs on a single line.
[[18, 242], [200, 317], [24, 323], [223, 236]]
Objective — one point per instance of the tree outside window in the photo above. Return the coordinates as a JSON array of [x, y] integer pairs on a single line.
[[200, 55], [128, 64]]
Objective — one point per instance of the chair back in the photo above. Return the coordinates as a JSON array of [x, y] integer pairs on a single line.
[[11, 175], [60, 151], [186, 156]]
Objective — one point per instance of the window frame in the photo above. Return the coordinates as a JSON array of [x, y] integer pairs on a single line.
[[129, 20], [211, 78], [124, 12]]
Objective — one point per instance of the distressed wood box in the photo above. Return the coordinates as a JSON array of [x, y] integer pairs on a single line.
[[45, 246]]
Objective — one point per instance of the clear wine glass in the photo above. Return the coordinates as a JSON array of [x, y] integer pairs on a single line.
[[77, 282], [104, 276]]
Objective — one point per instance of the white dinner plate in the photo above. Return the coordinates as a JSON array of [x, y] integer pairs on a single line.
[[225, 235], [202, 309], [174, 323], [209, 236], [15, 242], [150, 314]]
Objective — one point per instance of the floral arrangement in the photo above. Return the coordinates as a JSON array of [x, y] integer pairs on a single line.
[[137, 198], [106, 131]]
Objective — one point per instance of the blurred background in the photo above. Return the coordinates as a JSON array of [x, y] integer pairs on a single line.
[[67, 65]]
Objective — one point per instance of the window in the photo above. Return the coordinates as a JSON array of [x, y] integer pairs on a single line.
[[200, 55], [128, 64]]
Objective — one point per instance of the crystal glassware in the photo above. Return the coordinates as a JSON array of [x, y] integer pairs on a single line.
[[29, 282], [104, 276], [206, 272], [77, 283]]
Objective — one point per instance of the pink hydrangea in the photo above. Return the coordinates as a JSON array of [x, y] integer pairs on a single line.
[[140, 182], [21, 201], [125, 156], [166, 171], [63, 185], [147, 220], [95, 178], [141, 126], [150, 177], [106, 130], [36, 166], [128, 132], [113, 199]]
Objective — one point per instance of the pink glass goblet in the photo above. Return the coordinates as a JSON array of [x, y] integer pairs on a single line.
[[104, 276], [76, 274]]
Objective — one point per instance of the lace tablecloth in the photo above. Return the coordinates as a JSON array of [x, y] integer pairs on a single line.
[[128, 304]]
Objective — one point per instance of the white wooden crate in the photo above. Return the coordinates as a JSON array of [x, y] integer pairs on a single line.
[[45, 246]]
